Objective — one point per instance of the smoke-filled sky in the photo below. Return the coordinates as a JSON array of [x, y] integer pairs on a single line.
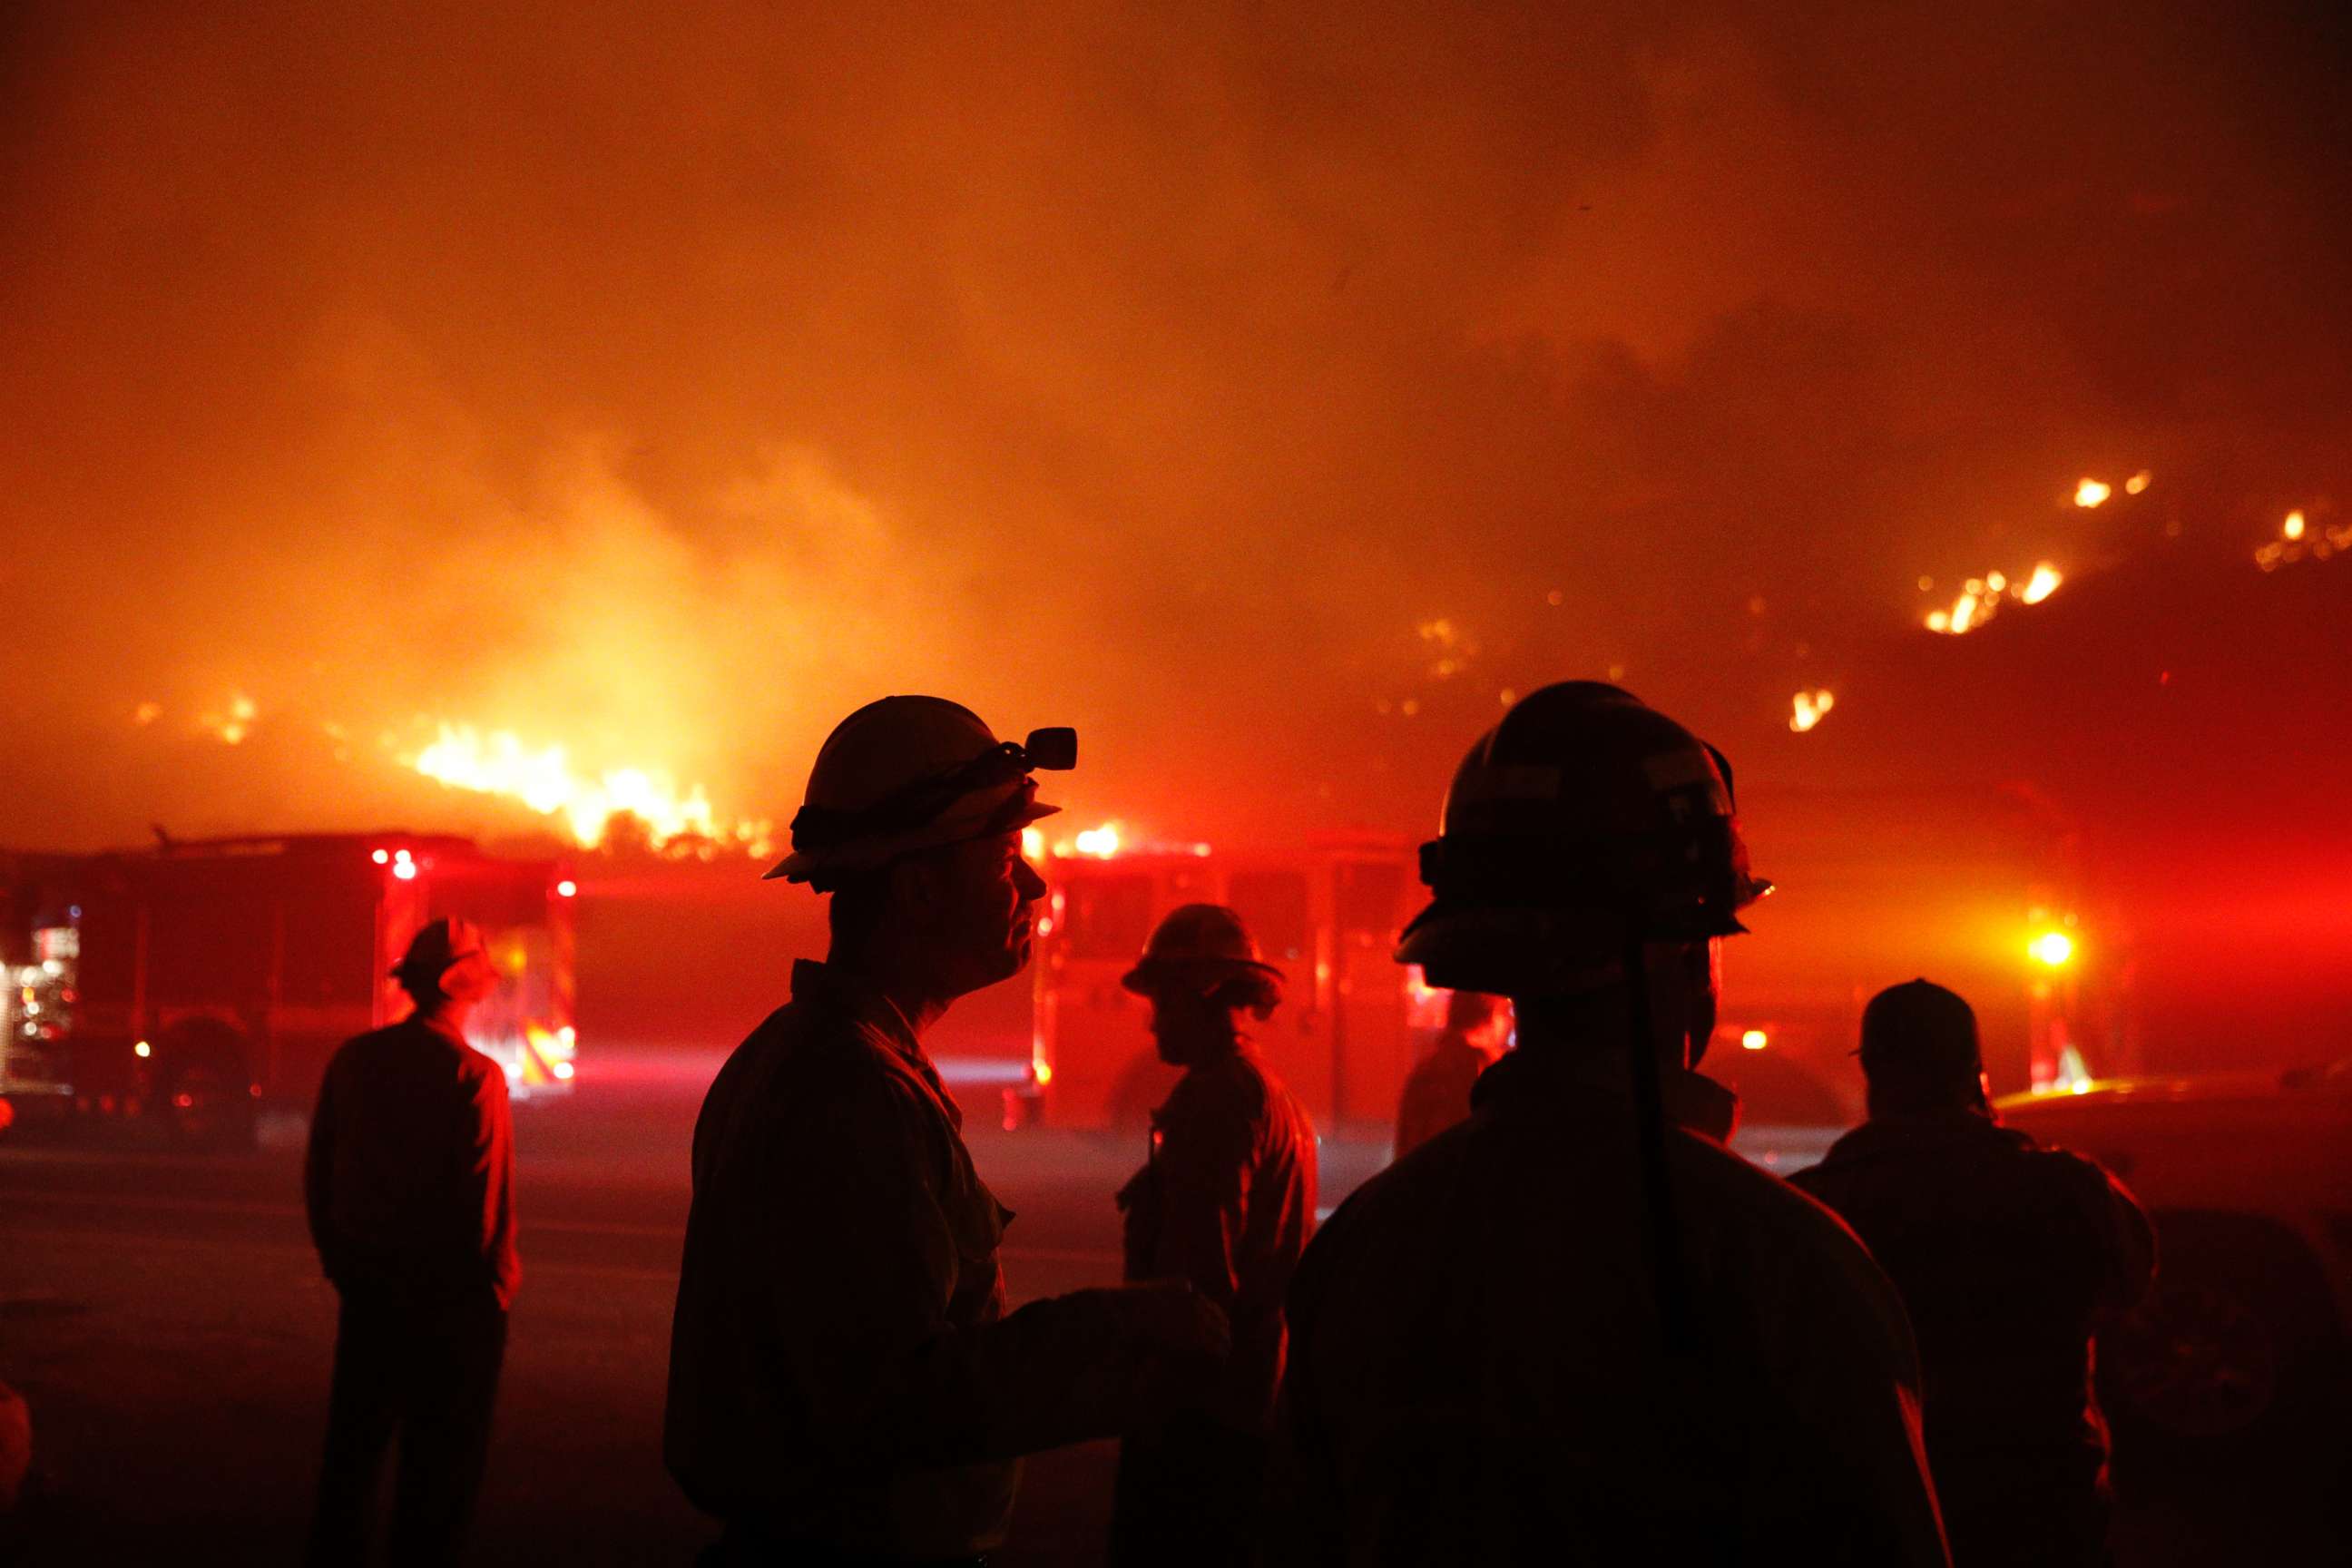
[[1265, 389]]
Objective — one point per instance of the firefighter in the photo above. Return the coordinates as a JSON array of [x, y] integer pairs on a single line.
[[845, 1383], [1567, 1331], [410, 1189], [1225, 1202], [2010, 1257], [1437, 1091]]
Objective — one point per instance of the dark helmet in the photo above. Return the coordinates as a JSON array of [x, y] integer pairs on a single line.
[[1920, 1045], [1583, 821], [1206, 948]]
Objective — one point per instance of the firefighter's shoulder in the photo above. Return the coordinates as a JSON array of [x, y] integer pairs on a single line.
[[828, 1073], [1785, 1241]]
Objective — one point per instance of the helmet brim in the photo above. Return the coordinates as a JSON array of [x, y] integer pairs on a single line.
[[1198, 973], [956, 827]]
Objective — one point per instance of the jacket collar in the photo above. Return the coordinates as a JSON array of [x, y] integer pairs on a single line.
[[1692, 1102], [823, 986]]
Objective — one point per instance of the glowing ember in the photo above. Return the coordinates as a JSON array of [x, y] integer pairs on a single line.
[[2138, 482], [1810, 709], [2044, 583], [543, 779], [2091, 493], [236, 724], [1453, 647]]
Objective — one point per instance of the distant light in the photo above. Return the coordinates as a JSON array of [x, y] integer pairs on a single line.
[[1040, 1069], [381, 856], [2045, 583], [566, 888], [2294, 526], [406, 870], [1809, 709], [569, 1035], [1754, 1040], [1939, 620], [142, 1049], [1100, 842], [2081, 1086], [2091, 493], [1033, 843], [2051, 947], [403, 856], [563, 1070], [2138, 482]]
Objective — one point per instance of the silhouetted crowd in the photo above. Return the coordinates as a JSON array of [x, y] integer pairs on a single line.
[[1566, 1325]]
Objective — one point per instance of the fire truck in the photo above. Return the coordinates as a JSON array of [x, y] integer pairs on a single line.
[[189, 985], [1350, 1030], [1980, 891]]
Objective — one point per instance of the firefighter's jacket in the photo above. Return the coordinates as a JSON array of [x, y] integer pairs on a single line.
[[409, 1181], [1227, 1202], [842, 1370], [1437, 1091], [2010, 1257], [1479, 1371]]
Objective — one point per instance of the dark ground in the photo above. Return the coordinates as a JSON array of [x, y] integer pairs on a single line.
[[164, 1317]]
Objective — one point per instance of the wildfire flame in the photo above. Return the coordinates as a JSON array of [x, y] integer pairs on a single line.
[[1982, 596], [2091, 493], [543, 778], [2297, 539], [1102, 843], [1811, 706]]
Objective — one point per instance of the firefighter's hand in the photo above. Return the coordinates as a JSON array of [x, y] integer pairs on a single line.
[[1174, 1317]]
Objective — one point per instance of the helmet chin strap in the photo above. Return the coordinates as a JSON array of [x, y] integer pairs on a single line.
[[1662, 1238]]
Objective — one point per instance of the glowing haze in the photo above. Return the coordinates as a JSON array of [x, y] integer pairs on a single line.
[[1269, 392]]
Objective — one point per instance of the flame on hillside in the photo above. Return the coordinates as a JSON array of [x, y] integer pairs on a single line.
[[500, 762], [1981, 598]]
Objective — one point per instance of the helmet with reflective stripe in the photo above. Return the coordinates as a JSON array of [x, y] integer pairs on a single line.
[[907, 774], [1583, 821]]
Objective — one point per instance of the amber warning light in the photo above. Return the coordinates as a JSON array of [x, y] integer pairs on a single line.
[[2053, 949]]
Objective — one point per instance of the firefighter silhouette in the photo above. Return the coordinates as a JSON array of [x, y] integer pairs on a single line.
[[1571, 1328], [844, 1383], [1225, 1202], [2010, 1257], [409, 1185]]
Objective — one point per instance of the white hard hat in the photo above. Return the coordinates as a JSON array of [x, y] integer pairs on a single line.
[[914, 773]]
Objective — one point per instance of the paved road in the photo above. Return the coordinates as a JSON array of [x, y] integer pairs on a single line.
[[164, 1316]]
